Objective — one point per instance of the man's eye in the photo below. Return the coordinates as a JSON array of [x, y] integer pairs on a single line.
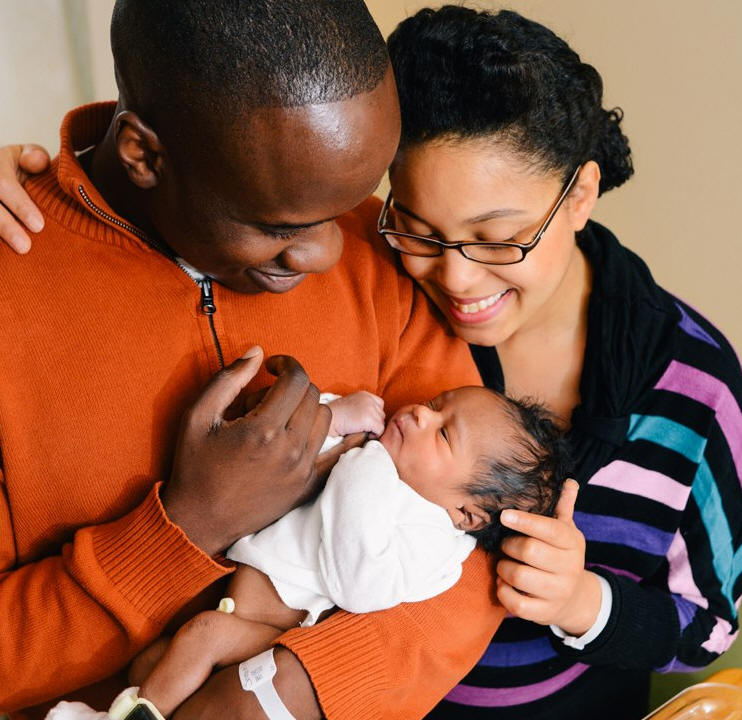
[[282, 234]]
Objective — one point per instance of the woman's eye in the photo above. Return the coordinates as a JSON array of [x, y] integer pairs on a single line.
[[513, 239], [445, 435]]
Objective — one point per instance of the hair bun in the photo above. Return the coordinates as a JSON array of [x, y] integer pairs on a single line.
[[613, 154]]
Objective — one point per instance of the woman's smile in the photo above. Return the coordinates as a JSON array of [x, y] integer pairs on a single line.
[[479, 309]]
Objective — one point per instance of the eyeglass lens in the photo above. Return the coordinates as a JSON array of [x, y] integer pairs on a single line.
[[496, 254]]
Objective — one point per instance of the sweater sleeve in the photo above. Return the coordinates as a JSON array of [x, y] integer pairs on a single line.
[[108, 594], [683, 615], [382, 544]]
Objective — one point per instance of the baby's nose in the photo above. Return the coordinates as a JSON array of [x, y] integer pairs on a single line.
[[422, 414]]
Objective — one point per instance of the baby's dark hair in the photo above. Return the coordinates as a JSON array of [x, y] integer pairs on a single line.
[[528, 476], [464, 74]]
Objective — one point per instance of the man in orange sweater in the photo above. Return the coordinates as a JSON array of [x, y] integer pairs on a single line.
[[206, 212]]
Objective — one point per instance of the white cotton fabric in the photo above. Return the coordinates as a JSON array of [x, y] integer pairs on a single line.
[[74, 711], [330, 440], [367, 543], [606, 604]]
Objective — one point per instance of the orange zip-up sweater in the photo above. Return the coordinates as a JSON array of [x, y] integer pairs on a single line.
[[104, 345]]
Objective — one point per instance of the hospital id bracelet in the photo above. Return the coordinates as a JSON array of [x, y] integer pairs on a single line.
[[256, 675]]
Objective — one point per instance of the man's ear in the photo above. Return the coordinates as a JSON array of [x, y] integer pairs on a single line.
[[584, 194], [139, 150], [470, 516]]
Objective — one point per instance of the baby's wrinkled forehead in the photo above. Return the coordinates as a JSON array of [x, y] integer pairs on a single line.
[[485, 417]]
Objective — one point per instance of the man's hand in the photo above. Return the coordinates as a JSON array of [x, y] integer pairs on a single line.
[[223, 697], [17, 162], [543, 577], [233, 477]]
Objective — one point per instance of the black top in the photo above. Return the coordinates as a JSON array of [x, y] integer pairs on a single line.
[[657, 441]]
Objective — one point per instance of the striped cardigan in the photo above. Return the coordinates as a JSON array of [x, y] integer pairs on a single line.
[[658, 442]]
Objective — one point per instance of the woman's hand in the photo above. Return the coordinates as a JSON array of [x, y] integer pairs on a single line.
[[17, 162], [542, 577]]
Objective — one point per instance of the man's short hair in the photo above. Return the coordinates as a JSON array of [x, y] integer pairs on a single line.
[[226, 55]]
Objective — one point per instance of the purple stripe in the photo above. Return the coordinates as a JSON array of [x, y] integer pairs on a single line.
[[676, 666], [505, 697], [515, 654], [693, 329], [617, 531], [617, 571], [704, 388], [686, 611]]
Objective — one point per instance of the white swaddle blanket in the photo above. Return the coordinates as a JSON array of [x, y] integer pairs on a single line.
[[368, 542]]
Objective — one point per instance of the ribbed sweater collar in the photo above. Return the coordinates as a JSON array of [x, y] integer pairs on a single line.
[[68, 195]]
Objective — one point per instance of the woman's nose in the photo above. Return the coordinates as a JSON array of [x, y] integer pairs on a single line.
[[457, 273]]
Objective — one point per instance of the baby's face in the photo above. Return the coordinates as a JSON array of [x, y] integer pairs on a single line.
[[436, 446]]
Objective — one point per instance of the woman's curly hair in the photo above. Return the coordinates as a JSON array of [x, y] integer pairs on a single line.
[[465, 74]]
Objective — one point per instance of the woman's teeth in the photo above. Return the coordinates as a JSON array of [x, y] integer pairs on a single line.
[[478, 306]]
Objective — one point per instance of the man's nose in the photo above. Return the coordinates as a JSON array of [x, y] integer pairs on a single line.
[[317, 253]]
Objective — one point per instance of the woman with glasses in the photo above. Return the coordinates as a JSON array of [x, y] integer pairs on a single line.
[[505, 150]]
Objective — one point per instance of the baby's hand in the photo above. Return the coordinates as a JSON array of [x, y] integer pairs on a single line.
[[358, 412]]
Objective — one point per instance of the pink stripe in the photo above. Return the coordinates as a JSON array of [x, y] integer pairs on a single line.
[[721, 637], [680, 578], [629, 478], [698, 385], [505, 697]]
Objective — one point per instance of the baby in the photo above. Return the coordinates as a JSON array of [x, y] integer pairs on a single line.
[[394, 523]]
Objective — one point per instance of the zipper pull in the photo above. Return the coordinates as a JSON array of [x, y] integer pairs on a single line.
[[207, 298]]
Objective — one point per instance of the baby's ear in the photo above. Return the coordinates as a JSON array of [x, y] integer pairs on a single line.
[[471, 517]]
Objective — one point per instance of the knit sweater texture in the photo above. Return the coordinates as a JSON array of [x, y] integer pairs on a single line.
[[105, 345], [658, 444]]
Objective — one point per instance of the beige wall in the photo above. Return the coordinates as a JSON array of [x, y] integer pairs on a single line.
[[673, 65]]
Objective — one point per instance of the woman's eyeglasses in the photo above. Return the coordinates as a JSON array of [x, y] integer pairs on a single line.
[[489, 253]]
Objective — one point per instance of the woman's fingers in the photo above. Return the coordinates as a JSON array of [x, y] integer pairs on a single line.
[[529, 580], [33, 159], [549, 530], [559, 531], [565, 507], [16, 208], [535, 553], [12, 232], [522, 606]]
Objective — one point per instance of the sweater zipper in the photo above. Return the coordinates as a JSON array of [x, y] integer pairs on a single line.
[[208, 307]]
